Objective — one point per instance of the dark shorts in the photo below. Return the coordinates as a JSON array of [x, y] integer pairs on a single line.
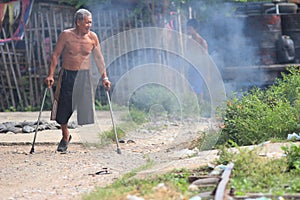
[[75, 94], [196, 80]]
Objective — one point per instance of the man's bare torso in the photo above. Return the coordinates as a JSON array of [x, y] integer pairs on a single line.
[[77, 50]]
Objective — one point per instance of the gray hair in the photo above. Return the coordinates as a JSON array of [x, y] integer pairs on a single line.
[[80, 14]]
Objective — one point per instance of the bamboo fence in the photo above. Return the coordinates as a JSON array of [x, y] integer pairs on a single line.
[[24, 64]]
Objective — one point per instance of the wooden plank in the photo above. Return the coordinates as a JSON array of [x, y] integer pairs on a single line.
[[260, 195], [220, 193]]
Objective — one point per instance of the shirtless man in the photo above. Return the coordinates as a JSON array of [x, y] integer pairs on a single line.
[[77, 46]]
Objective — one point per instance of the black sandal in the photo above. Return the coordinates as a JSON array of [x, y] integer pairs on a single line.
[[63, 145]]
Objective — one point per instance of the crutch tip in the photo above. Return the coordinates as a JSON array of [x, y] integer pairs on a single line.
[[119, 151], [31, 151]]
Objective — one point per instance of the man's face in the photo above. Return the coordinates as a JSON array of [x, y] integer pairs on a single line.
[[85, 25]]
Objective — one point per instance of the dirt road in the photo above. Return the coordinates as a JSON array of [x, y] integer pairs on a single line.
[[47, 174]]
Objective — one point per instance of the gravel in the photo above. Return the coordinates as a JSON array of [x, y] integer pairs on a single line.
[[47, 174]]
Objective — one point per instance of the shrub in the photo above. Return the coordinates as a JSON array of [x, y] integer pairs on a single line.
[[293, 157], [263, 114]]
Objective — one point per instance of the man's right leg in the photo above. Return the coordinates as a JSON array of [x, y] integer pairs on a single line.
[[66, 138], [65, 107], [65, 132]]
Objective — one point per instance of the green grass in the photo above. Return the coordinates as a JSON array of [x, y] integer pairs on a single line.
[[258, 174], [168, 186], [252, 174], [108, 137]]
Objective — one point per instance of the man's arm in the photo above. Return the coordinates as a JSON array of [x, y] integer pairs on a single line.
[[99, 60], [98, 57], [54, 59], [201, 41]]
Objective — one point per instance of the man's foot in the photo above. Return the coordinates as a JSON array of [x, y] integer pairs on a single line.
[[63, 145]]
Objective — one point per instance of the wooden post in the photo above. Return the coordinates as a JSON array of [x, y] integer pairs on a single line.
[[50, 34], [2, 104], [3, 79], [136, 40], [117, 29], [125, 39], [111, 31], [8, 78], [13, 72], [61, 22], [28, 56], [2, 94], [43, 48], [14, 77], [38, 47], [55, 27], [33, 67], [22, 89], [51, 49]]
